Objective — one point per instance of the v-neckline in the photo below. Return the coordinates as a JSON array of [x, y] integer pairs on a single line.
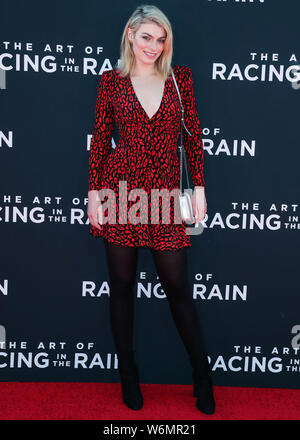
[[138, 101]]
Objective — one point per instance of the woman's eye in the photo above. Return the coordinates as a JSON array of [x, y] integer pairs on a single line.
[[148, 38]]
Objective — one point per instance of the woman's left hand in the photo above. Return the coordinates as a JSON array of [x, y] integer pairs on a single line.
[[199, 203]]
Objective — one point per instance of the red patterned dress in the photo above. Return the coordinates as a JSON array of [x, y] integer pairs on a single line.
[[145, 157]]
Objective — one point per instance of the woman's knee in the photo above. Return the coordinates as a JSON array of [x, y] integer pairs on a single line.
[[122, 280]]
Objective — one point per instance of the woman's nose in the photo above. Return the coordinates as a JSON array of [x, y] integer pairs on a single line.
[[153, 47]]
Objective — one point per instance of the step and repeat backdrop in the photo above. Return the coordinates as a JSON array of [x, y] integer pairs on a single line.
[[243, 268]]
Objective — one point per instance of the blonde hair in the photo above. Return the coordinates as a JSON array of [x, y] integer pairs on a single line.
[[146, 14]]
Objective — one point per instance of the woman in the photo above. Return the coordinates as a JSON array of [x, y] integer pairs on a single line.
[[140, 96]]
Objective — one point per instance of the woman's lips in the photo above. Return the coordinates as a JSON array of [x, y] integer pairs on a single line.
[[149, 54]]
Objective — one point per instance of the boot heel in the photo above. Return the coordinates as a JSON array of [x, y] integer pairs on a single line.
[[205, 398], [203, 386], [131, 392]]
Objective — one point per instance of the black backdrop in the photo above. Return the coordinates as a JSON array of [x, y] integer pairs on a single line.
[[244, 273]]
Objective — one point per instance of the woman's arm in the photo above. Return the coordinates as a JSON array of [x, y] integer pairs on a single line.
[[193, 144], [102, 133]]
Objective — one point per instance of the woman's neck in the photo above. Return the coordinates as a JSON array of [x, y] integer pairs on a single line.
[[142, 70]]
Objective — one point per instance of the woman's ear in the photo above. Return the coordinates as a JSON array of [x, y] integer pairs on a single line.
[[129, 34]]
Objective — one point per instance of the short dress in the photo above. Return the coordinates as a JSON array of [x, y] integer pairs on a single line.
[[144, 161]]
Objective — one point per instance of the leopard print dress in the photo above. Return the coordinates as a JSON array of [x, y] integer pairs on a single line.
[[145, 158]]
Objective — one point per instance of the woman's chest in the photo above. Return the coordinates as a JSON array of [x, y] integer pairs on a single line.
[[130, 107]]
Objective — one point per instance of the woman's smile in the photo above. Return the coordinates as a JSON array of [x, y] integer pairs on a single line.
[[150, 54]]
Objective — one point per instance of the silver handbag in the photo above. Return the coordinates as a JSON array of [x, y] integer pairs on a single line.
[[185, 198]]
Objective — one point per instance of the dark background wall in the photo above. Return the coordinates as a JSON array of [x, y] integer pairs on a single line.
[[54, 290]]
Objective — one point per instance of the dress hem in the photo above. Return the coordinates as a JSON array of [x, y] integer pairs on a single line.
[[158, 247]]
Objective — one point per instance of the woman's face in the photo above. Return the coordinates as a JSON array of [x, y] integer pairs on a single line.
[[148, 42]]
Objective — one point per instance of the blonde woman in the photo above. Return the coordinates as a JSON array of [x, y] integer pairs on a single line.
[[139, 94]]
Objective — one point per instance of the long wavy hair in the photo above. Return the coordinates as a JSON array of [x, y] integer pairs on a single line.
[[146, 14]]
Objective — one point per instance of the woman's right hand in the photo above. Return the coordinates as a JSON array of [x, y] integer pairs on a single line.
[[94, 210]]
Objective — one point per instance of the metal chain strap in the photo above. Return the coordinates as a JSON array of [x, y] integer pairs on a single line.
[[181, 148]]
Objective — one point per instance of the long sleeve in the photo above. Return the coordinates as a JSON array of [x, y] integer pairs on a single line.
[[100, 145], [193, 144]]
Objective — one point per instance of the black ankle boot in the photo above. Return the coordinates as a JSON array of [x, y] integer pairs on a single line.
[[202, 385], [131, 392]]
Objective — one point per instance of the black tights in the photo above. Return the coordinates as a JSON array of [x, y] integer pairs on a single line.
[[171, 267]]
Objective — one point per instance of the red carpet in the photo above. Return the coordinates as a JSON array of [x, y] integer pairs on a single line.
[[102, 401]]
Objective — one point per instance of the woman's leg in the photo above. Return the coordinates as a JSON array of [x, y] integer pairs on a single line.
[[122, 263], [171, 266]]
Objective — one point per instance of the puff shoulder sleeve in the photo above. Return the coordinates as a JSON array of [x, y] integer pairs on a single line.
[[101, 141], [193, 144]]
